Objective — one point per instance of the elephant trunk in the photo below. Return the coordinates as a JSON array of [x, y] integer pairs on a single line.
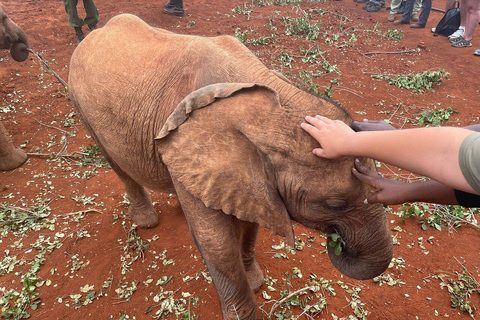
[[20, 45], [366, 253]]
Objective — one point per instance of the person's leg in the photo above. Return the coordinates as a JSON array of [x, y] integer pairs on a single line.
[[463, 14], [407, 14], [74, 20], [71, 9], [426, 8], [92, 17], [394, 9], [394, 6], [472, 19], [463, 19], [417, 5]]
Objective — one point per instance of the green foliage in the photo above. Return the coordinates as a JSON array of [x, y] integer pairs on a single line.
[[336, 242], [134, 243], [22, 220], [13, 303], [91, 155], [438, 216], [394, 34], [415, 82], [434, 118], [243, 36], [285, 59], [301, 26], [460, 290], [246, 9]]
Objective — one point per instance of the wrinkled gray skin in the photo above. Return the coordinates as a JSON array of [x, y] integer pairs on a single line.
[[232, 150], [11, 37]]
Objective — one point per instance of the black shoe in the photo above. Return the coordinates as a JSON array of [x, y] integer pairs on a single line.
[[175, 10], [79, 33], [92, 27], [374, 7], [168, 5]]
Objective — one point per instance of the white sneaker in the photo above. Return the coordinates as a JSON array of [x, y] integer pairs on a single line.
[[434, 29], [457, 34]]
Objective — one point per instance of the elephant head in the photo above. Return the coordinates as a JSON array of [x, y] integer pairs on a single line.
[[13, 37], [238, 150]]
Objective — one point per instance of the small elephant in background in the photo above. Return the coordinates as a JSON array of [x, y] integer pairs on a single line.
[[14, 38], [204, 118]]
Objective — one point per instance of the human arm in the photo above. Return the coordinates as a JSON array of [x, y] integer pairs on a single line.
[[391, 192], [432, 152]]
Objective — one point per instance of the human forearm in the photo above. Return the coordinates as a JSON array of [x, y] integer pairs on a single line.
[[388, 191], [432, 152], [473, 127], [429, 191]]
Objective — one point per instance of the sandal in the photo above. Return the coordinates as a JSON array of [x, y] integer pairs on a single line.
[[462, 43], [477, 52]]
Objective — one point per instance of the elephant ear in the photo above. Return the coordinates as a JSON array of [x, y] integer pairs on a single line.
[[203, 148]]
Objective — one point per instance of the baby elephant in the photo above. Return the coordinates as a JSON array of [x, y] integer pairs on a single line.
[[204, 118], [11, 37]]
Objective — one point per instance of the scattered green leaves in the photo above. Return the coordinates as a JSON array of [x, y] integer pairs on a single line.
[[416, 82], [436, 117]]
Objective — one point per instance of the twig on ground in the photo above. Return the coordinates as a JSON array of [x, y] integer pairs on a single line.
[[71, 155], [63, 82], [53, 127], [438, 10], [391, 52], [276, 304], [82, 211]]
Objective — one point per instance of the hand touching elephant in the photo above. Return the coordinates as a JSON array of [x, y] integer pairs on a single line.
[[11, 37], [204, 118]]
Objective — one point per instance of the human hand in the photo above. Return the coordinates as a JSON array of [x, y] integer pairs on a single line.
[[332, 135], [371, 125], [385, 191]]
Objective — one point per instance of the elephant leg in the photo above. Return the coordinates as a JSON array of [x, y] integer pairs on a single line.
[[217, 237], [10, 157], [141, 209], [249, 233]]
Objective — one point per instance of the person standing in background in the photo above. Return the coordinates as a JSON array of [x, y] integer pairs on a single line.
[[91, 19], [174, 7], [407, 14], [395, 7]]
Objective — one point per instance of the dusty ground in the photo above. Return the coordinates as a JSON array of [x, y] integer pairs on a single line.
[[81, 254]]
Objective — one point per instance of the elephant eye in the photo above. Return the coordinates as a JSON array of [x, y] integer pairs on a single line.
[[337, 205]]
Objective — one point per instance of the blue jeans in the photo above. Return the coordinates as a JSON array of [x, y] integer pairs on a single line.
[[426, 8]]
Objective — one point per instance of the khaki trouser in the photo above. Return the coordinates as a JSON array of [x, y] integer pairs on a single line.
[[396, 4], [92, 13]]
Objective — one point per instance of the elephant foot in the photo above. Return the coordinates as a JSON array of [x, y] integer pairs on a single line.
[[254, 275], [144, 216], [12, 160]]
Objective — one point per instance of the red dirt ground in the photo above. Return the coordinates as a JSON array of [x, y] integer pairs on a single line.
[[35, 121]]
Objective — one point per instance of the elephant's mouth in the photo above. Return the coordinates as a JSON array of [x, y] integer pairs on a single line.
[[358, 261]]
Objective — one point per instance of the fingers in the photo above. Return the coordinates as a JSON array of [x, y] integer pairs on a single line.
[[365, 179], [361, 168], [373, 198]]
